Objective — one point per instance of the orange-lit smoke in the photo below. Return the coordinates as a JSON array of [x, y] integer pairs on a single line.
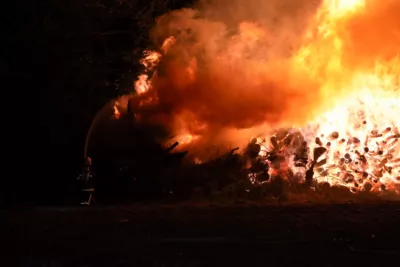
[[229, 68], [238, 69]]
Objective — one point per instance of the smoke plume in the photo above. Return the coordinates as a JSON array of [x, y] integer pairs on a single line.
[[232, 73]]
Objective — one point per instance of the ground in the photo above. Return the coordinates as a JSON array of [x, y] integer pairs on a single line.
[[203, 235]]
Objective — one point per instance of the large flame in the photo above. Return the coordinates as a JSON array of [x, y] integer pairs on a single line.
[[332, 72], [359, 128]]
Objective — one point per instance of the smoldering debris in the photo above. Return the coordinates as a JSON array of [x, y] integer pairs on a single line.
[[283, 166], [287, 159]]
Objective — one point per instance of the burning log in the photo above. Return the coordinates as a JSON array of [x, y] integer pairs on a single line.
[[310, 174], [233, 150], [367, 187], [286, 140], [318, 152], [318, 141], [355, 141], [324, 172], [387, 130], [333, 136], [377, 173], [394, 136], [171, 147], [320, 163], [328, 145], [366, 141], [396, 160], [348, 178], [388, 169], [383, 163], [345, 163]]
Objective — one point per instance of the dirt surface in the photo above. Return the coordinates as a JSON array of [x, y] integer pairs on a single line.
[[203, 235]]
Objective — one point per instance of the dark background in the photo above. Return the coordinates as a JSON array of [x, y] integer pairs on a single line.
[[63, 61]]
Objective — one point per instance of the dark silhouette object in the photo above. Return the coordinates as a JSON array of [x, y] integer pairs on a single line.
[[318, 152], [310, 174], [87, 188], [172, 147], [259, 167], [253, 149]]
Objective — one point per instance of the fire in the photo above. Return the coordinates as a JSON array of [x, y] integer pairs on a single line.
[[150, 59], [339, 7], [352, 112], [143, 84], [186, 138], [361, 137], [360, 130], [117, 114], [167, 44]]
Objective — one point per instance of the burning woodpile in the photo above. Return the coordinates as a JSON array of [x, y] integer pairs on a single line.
[[337, 104], [371, 164], [368, 164]]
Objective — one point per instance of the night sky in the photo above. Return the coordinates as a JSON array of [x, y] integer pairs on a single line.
[[67, 59]]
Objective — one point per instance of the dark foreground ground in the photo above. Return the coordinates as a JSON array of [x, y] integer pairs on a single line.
[[207, 235]]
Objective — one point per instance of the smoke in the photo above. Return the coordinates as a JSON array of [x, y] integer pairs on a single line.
[[231, 75], [372, 35], [229, 67]]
